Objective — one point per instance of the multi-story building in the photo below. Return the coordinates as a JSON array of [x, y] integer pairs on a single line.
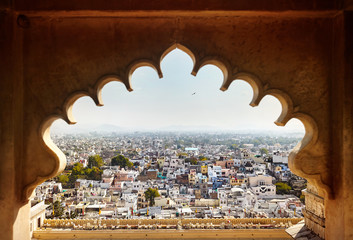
[[262, 185], [192, 177], [141, 200]]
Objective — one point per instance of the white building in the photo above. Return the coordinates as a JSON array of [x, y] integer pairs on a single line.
[[280, 157], [262, 185], [138, 186], [223, 197], [37, 215], [264, 190], [164, 202], [237, 162], [214, 171]]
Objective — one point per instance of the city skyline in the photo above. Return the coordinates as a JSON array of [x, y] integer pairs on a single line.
[[177, 102]]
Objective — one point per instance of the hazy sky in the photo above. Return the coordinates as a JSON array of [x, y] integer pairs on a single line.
[[158, 103]]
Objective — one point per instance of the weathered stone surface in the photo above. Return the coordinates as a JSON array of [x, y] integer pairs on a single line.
[[302, 56], [300, 231]]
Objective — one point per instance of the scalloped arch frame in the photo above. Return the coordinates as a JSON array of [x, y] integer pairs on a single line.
[[260, 90]]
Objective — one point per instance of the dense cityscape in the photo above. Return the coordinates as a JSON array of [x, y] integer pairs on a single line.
[[173, 175]]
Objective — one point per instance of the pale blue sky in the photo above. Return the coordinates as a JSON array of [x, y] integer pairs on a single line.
[[159, 103]]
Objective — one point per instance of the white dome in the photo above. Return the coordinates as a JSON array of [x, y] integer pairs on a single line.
[[236, 189]]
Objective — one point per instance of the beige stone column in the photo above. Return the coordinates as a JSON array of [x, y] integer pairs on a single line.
[[339, 209], [314, 212], [14, 214]]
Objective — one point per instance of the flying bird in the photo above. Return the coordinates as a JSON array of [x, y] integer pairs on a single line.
[[193, 93]]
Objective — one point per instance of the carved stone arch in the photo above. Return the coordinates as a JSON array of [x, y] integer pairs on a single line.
[[301, 160]]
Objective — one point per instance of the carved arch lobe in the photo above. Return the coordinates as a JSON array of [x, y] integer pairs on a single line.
[[297, 159]]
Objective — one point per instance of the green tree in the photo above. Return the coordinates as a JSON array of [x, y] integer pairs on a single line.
[[88, 171], [121, 161], [234, 146], [192, 160], [151, 194], [71, 215], [282, 188], [77, 172], [302, 198], [77, 169], [94, 173], [72, 180], [95, 161], [58, 209], [63, 178], [264, 151], [256, 142]]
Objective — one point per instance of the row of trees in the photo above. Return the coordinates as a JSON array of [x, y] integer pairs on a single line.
[[92, 171], [119, 160], [79, 172]]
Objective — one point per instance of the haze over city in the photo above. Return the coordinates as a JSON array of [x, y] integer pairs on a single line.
[[177, 102]]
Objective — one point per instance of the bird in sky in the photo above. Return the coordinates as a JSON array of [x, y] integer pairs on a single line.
[[193, 93]]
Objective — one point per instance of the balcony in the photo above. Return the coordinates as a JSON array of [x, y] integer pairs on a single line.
[[246, 228], [163, 234]]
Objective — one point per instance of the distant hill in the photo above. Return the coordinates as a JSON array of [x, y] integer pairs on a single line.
[[85, 128], [63, 128]]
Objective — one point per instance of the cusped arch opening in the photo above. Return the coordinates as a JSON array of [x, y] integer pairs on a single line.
[[229, 75]]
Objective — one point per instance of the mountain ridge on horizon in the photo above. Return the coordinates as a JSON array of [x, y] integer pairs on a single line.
[[111, 128]]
